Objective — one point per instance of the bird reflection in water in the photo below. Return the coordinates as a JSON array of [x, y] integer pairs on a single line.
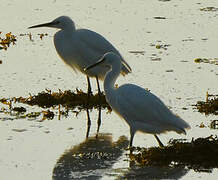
[[89, 121], [94, 159], [91, 159], [154, 172]]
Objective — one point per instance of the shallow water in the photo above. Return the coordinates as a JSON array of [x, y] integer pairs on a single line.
[[31, 149]]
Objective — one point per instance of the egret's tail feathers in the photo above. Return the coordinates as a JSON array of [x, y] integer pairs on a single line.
[[181, 131], [182, 126]]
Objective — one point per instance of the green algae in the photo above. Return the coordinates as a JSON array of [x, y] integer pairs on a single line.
[[200, 153]]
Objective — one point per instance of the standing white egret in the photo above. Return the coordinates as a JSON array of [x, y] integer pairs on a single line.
[[142, 110], [80, 48]]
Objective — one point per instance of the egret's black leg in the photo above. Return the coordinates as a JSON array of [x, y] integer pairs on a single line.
[[99, 107], [89, 86], [132, 133], [158, 140], [99, 90]]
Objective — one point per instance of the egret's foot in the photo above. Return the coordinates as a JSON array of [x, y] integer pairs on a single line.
[[161, 145], [131, 149], [96, 136], [89, 92], [100, 93]]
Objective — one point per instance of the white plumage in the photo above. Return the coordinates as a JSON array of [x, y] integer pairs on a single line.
[[142, 110], [80, 48]]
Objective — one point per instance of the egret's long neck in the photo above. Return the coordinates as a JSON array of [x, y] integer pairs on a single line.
[[70, 28], [73, 27], [111, 77]]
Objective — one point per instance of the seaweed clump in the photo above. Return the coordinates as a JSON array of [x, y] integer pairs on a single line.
[[210, 106], [198, 154], [206, 60], [67, 99], [211, 9], [5, 42]]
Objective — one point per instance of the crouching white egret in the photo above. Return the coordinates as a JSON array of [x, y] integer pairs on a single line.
[[80, 48], [142, 110]]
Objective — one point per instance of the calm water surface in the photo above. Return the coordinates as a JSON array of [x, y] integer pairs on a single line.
[[31, 149]]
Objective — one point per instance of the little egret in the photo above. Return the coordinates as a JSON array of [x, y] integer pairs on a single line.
[[142, 110], [80, 48]]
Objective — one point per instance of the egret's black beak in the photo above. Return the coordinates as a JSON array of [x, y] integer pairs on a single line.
[[93, 65], [50, 24]]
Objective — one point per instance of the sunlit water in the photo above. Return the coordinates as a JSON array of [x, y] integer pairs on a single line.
[[31, 149]]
